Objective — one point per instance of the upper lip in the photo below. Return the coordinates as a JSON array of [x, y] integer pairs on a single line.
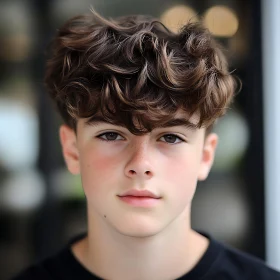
[[139, 193]]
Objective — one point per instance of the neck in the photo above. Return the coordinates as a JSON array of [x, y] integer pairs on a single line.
[[166, 255]]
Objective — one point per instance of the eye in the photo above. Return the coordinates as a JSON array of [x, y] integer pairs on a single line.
[[172, 138], [110, 136]]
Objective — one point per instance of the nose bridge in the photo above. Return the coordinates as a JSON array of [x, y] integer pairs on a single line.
[[139, 148], [139, 161]]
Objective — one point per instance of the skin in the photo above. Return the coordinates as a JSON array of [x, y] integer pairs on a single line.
[[128, 242]]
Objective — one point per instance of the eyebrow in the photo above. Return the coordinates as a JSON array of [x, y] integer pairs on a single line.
[[180, 122], [99, 120]]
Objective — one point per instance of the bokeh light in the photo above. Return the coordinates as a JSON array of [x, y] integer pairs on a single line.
[[221, 21], [175, 17]]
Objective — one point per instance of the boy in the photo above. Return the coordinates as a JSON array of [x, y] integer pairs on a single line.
[[138, 103]]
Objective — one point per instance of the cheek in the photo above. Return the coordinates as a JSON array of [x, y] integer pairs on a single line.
[[98, 169], [182, 174], [183, 165]]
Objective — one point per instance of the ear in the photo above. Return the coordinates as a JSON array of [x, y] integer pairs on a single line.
[[208, 155], [68, 140]]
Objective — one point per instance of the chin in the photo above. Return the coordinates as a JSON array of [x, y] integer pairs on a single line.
[[139, 228], [143, 233]]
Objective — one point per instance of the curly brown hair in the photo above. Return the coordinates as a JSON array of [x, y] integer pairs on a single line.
[[135, 72]]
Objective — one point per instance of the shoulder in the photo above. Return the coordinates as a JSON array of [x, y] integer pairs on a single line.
[[62, 265], [241, 265], [33, 272], [49, 268]]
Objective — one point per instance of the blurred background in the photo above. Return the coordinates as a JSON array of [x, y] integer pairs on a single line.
[[42, 205]]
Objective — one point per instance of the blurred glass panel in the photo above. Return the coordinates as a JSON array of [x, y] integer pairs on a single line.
[[22, 188], [19, 128], [67, 186], [221, 208], [22, 191], [233, 133], [16, 23]]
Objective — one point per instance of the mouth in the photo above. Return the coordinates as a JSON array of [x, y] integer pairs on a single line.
[[140, 198], [139, 201], [140, 193]]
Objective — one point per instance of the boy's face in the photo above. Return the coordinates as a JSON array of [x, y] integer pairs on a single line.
[[166, 162]]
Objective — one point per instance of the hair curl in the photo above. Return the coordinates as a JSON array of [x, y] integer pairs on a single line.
[[134, 71]]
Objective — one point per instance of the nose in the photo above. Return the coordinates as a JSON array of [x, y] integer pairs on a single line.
[[139, 163]]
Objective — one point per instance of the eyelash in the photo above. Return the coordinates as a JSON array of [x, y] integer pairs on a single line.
[[169, 134]]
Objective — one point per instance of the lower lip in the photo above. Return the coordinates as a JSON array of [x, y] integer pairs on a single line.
[[140, 201]]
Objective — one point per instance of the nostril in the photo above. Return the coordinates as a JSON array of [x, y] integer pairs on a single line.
[[134, 172]]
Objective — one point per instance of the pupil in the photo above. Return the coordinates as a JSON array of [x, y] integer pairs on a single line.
[[170, 138], [111, 136]]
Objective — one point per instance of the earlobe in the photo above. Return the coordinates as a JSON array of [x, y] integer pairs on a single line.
[[70, 151], [208, 156]]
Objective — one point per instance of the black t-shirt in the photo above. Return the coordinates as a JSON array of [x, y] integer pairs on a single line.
[[220, 262]]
